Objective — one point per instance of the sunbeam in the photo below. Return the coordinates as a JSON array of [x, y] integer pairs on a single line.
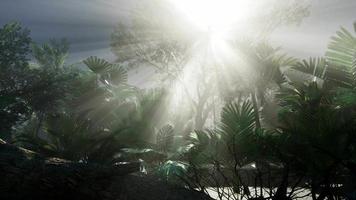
[[215, 15], [176, 99]]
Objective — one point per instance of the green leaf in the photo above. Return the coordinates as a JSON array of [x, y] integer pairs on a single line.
[[97, 65], [173, 169]]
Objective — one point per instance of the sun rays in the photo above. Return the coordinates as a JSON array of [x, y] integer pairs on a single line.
[[213, 14], [192, 45]]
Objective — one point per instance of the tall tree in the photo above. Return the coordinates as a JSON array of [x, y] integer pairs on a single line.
[[14, 51]]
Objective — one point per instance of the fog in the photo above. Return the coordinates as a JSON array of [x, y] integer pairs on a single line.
[[87, 24]]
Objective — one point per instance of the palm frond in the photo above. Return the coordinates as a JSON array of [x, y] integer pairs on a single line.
[[340, 76], [52, 54], [237, 119], [118, 74], [314, 66], [342, 48], [173, 170], [97, 65], [165, 138], [341, 55]]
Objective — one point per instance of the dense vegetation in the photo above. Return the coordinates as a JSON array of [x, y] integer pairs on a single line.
[[286, 132]]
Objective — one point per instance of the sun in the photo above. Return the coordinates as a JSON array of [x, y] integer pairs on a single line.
[[214, 15]]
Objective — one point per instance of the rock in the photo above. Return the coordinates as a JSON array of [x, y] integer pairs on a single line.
[[28, 175]]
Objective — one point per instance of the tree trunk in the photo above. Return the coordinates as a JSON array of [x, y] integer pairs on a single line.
[[281, 193], [256, 109]]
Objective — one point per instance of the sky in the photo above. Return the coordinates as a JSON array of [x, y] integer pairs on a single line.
[[87, 24], [312, 36]]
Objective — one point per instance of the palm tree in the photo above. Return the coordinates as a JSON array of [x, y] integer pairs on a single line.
[[236, 142], [338, 67], [265, 65], [52, 54], [66, 136]]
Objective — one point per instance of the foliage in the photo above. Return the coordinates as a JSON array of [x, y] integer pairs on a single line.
[[26, 89], [312, 146], [157, 38], [148, 156], [67, 137], [14, 48], [165, 137], [173, 170], [95, 115], [96, 64], [107, 73], [313, 66], [52, 54], [107, 117]]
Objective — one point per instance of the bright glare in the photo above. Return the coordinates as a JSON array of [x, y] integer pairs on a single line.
[[215, 15], [211, 52]]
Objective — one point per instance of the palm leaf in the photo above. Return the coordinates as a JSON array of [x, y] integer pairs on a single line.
[[342, 48], [340, 75], [239, 132], [165, 138], [341, 54], [314, 66], [97, 65], [118, 75], [237, 119], [173, 170]]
